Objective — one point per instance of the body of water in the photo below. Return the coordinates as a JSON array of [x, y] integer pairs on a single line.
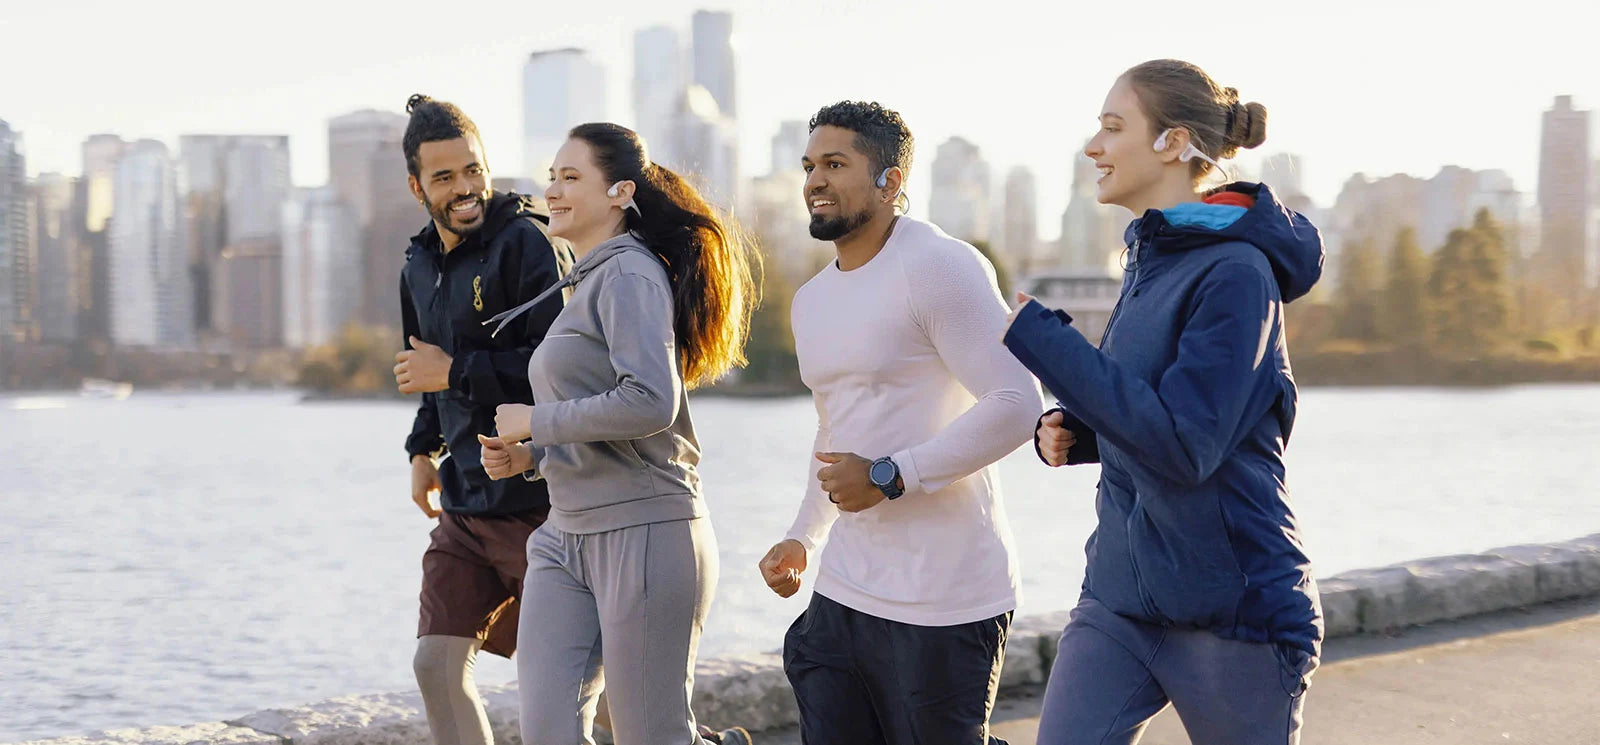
[[176, 558]]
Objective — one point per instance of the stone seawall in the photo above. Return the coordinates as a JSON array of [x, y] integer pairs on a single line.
[[750, 690]]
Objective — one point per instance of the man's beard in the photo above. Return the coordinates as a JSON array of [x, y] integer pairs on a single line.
[[834, 228], [442, 216]]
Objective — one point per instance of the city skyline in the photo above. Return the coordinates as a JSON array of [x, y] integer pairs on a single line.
[[1484, 114]]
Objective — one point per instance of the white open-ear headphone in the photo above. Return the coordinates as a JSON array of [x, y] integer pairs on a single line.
[[1189, 153], [616, 191], [883, 181]]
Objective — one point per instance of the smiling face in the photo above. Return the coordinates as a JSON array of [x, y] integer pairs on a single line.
[[1124, 150], [840, 189], [580, 209], [453, 183]]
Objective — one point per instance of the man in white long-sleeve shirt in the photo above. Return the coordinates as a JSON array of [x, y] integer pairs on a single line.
[[897, 340]]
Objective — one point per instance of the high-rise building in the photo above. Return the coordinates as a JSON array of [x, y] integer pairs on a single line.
[[151, 300], [960, 201], [92, 206], [1564, 203], [1453, 197], [367, 170], [16, 260], [55, 246], [399, 217], [1091, 233], [658, 81], [233, 189], [1370, 212], [713, 59], [708, 147], [353, 140], [789, 145], [777, 214], [321, 261], [1019, 239], [561, 88]]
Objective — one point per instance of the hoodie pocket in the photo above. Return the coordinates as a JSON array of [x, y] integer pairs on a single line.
[[1185, 559]]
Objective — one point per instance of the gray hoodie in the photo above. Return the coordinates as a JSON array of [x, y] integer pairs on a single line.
[[610, 410]]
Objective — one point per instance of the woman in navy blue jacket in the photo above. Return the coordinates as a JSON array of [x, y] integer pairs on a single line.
[[1197, 590]]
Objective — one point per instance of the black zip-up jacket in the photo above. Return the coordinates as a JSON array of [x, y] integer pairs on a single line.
[[444, 300]]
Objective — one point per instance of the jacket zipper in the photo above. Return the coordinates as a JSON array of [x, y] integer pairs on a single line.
[[1116, 311]]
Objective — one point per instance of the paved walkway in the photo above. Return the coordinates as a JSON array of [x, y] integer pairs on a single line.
[[1529, 676]]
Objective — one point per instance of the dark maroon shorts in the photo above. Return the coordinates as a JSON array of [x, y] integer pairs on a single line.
[[472, 578]]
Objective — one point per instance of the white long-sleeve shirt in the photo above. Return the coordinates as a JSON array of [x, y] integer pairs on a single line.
[[903, 358]]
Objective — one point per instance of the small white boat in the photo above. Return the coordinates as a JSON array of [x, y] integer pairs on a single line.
[[100, 388]]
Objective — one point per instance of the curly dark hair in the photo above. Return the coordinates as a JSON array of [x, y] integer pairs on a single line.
[[433, 121], [880, 132]]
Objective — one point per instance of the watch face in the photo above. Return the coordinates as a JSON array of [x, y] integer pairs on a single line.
[[882, 473]]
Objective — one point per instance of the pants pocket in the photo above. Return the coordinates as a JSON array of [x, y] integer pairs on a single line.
[[1294, 669]]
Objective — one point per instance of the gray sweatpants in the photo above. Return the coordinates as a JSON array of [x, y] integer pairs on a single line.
[[1113, 674], [636, 597]]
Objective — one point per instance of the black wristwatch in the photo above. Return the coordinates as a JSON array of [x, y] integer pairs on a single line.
[[885, 475]]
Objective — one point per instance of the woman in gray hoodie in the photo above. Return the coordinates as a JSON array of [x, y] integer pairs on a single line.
[[625, 568]]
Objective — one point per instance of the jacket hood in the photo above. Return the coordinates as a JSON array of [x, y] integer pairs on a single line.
[[1246, 213]]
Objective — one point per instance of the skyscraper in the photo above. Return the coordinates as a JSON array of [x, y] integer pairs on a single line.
[[233, 188], [777, 214], [16, 271], [1020, 237], [1091, 232], [561, 88], [353, 139], [658, 81], [93, 203], [713, 59], [789, 144], [1564, 203], [151, 294], [367, 170], [708, 147], [960, 202], [55, 245], [321, 261]]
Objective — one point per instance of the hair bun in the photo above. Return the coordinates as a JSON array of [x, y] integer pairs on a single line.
[[1247, 123], [416, 100]]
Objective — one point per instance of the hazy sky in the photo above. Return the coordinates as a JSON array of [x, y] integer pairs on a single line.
[[1354, 85]]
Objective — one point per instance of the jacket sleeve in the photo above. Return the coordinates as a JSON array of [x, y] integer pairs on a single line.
[[636, 313], [1085, 449], [957, 303], [494, 377], [1186, 425], [426, 438]]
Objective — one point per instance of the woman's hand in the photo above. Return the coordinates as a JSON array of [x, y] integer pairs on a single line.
[[1054, 439], [1023, 299], [511, 421]]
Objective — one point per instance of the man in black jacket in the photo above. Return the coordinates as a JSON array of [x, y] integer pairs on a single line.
[[481, 254]]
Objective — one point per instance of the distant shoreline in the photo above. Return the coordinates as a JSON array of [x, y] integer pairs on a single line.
[[1327, 369]]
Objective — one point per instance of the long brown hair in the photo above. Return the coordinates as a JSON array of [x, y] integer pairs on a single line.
[[711, 262], [1179, 95]]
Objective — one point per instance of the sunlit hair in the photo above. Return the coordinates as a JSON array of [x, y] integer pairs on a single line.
[[711, 262]]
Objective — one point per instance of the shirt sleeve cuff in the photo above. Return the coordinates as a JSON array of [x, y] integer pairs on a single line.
[[908, 471], [532, 474], [804, 540], [539, 428]]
